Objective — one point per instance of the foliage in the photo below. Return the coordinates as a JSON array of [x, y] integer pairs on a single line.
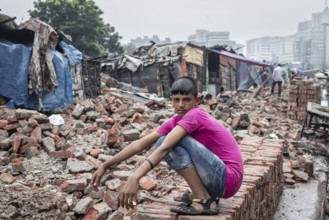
[[81, 19], [129, 48]]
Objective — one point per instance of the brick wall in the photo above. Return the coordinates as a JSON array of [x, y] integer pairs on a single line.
[[301, 92]]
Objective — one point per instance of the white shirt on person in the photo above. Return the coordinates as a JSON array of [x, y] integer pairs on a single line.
[[278, 73]]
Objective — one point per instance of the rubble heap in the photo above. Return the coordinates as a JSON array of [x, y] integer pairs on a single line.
[[46, 165]]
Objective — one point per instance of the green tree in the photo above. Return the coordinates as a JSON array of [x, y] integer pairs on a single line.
[[129, 48], [81, 19]]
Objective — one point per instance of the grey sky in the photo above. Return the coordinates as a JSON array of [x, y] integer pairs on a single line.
[[244, 19]]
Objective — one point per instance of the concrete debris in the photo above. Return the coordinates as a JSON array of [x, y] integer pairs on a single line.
[[46, 168]]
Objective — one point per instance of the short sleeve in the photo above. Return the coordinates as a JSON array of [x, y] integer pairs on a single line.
[[166, 127], [190, 123]]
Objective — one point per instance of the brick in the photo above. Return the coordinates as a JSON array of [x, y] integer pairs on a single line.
[[3, 123], [137, 118], [146, 183], [36, 134], [114, 184], [61, 154], [26, 147], [156, 208], [111, 199], [16, 142], [73, 185], [99, 212], [96, 152], [17, 164], [7, 178], [83, 205]]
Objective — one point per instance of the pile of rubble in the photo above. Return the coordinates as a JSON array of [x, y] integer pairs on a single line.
[[47, 161]]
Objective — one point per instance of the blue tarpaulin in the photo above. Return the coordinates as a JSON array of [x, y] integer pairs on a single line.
[[14, 67]]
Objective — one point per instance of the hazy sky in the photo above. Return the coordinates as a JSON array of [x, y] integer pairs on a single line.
[[244, 19]]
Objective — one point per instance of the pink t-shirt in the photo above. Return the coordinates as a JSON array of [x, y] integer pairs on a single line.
[[213, 135]]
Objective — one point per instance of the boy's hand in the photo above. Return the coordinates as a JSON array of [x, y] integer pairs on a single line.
[[97, 176], [128, 194]]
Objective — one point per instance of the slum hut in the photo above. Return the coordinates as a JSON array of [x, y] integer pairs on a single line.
[[92, 67], [230, 71], [155, 67], [36, 69]]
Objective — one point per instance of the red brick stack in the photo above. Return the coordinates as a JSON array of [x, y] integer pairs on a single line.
[[302, 91], [257, 198]]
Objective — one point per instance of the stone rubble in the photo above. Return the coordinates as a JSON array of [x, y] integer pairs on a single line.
[[46, 169]]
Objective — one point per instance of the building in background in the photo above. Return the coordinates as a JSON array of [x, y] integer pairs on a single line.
[[212, 38], [309, 45], [139, 41], [273, 49]]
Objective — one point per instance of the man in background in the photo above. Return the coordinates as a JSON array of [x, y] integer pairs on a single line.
[[277, 76]]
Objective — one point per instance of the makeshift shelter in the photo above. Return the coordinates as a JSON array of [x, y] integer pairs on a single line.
[[230, 71], [155, 67], [35, 68]]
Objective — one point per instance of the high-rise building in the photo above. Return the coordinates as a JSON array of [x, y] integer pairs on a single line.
[[209, 38], [309, 45], [138, 41]]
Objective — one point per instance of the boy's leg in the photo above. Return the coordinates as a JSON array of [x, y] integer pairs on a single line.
[[198, 166]]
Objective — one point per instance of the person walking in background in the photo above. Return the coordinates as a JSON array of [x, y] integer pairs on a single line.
[[277, 76], [266, 77], [286, 76]]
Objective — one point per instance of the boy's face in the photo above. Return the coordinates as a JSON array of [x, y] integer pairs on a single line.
[[183, 103]]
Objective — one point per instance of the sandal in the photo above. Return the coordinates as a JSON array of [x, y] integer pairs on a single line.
[[185, 198], [189, 209]]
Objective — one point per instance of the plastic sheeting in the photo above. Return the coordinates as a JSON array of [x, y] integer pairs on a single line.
[[247, 76], [193, 55], [14, 65], [14, 68], [74, 56]]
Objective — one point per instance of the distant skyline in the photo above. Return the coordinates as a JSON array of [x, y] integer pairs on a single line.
[[244, 20]]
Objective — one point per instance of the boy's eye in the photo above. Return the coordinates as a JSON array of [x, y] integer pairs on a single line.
[[184, 100]]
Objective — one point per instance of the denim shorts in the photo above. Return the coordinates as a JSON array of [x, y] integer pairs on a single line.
[[211, 169]]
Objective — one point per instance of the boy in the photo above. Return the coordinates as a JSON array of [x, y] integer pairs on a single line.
[[194, 144]]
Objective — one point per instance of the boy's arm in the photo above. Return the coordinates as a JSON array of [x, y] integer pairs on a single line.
[[129, 151], [129, 191], [171, 140]]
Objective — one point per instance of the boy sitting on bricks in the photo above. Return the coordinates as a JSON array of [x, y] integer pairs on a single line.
[[194, 144]]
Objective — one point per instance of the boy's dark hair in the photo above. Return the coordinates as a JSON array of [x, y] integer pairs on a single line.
[[184, 85]]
